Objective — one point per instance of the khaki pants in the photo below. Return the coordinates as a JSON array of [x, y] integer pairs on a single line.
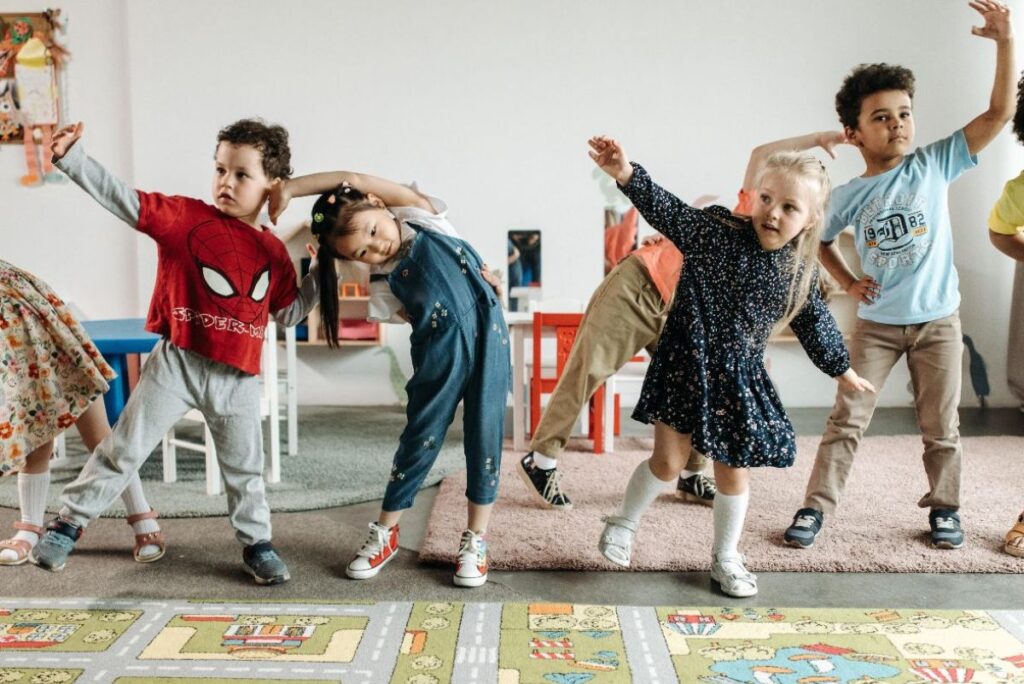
[[1015, 349], [625, 314], [934, 356]]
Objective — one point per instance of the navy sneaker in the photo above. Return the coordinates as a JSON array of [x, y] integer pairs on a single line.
[[262, 562], [545, 484], [697, 489], [946, 532], [806, 525], [51, 553]]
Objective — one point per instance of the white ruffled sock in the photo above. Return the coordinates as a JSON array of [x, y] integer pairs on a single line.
[[135, 502], [32, 490]]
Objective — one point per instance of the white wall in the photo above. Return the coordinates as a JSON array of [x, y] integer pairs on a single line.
[[56, 231], [489, 106]]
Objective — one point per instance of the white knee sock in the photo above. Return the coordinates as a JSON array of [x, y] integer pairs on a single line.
[[729, 513], [32, 490], [643, 488], [135, 502]]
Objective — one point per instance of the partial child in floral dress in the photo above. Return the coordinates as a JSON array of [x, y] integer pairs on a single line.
[[51, 376]]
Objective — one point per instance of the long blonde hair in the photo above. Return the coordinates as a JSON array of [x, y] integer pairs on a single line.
[[804, 255]]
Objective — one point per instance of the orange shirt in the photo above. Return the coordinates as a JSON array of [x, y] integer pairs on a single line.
[[663, 262]]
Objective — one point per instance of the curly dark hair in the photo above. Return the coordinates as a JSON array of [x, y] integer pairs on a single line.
[[1018, 116], [270, 140], [868, 79]]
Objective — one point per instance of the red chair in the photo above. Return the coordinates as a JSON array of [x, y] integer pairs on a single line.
[[565, 326]]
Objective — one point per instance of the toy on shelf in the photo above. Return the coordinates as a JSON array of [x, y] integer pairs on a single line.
[[30, 101]]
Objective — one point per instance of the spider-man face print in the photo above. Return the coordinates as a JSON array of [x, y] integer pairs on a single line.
[[232, 267]]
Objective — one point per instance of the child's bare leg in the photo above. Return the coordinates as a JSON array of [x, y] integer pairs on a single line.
[[389, 518], [94, 427], [649, 479], [478, 516]]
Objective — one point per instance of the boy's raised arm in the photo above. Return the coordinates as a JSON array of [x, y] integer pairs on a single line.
[[998, 27], [391, 194], [116, 196]]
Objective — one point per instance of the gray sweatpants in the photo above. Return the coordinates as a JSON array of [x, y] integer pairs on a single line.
[[174, 381]]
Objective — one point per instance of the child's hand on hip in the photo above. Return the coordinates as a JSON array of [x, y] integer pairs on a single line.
[[492, 280], [864, 290], [64, 139], [998, 22], [611, 158], [851, 381]]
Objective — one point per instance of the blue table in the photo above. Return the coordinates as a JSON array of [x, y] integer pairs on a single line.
[[117, 338]]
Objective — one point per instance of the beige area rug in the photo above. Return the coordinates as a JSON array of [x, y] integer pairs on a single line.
[[878, 527]]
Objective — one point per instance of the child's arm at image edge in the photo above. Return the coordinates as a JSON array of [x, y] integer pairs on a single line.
[[112, 193], [999, 28]]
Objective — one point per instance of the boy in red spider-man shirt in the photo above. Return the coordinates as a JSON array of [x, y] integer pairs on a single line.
[[220, 274]]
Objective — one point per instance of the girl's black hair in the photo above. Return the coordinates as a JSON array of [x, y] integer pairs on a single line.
[[329, 219], [1018, 117]]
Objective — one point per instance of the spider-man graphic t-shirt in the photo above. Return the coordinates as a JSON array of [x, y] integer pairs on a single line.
[[217, 279]]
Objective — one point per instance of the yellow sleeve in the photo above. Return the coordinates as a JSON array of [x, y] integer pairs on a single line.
[[1007, 217]]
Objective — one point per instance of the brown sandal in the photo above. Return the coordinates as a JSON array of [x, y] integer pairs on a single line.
[[1015, 539], [20, 546], [148, 539]]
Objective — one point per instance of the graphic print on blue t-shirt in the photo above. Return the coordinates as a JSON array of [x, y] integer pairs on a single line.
[[903, 233], [895, 230]]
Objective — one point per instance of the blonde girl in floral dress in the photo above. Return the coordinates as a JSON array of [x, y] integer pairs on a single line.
[[50, 378]]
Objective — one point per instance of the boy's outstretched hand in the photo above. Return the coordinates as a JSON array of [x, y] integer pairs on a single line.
[[611, 158], [64, 139], [851, 381], [998, 22]]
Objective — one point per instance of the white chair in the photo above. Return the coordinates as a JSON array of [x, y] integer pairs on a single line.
[[270, 408], [288, 392], [172, 442], [633, 374]]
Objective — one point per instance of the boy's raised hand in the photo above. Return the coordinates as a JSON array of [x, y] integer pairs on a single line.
[[277, 199], [829, 140], [611, 158], [63, 140], [998, 22]]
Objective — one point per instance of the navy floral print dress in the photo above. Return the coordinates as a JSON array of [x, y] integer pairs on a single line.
[[707, 377]]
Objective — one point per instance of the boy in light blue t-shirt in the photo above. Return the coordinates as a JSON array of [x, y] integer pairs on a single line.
[[909, 295]]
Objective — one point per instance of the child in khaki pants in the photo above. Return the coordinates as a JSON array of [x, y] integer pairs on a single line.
[[1006, 231], [909, 295]]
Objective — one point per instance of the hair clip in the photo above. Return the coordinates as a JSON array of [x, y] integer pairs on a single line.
[[331, 199], [318, 217]]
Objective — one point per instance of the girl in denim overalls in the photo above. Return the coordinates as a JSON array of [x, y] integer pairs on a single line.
[[423, 273]]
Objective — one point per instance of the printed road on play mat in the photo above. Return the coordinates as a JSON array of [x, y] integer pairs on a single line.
[[142, 642]]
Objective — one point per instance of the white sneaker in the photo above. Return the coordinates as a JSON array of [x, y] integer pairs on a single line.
[[616, 543], [380, 547], [732, 576], [471, 566]]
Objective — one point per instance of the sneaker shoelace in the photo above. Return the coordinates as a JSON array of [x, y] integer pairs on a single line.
[[375, 542], [805, 521], [264, 557], [552, 488], [943, 523], [704, 486], [472, 547]]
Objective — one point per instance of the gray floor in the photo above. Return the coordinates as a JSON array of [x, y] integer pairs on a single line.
[[203, 561]]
